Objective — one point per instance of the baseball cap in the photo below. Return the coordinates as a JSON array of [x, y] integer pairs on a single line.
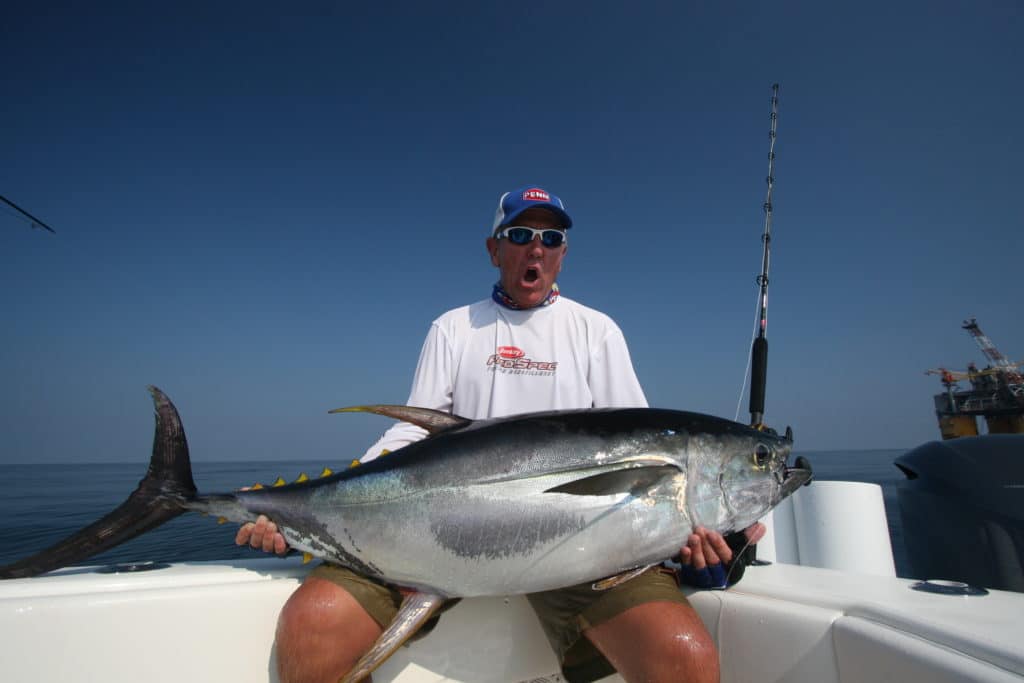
[[515, 202]]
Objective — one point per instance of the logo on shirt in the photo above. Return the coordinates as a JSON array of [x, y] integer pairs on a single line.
[[536, 195], [511, 352], [513, 360]]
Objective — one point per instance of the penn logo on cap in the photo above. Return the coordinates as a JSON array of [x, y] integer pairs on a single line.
[[515, 202]]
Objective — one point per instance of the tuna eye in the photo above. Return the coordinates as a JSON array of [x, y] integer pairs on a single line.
[[762, 456]]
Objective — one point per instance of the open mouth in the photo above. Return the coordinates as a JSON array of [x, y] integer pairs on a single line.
[[531, 275], [794, 477]]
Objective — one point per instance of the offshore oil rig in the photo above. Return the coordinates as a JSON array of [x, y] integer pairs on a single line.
[[996, 393]]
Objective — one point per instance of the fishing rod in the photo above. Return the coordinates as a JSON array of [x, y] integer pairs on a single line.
[[759, 351], [745, 552], [759, 348], [35, 222]]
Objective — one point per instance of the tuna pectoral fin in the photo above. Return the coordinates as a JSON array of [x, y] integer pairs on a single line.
[[619, 579], [629, 480], [161, 496], [416, 609], [433, 421]]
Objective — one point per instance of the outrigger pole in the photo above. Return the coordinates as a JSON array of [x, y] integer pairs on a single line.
[[35, 222], [759, 351]]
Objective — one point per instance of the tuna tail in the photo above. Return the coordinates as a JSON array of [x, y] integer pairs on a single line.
[[161, 496]]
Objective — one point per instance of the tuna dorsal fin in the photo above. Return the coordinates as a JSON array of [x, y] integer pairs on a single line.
[[432, 420], [628, 480], [415, 610]]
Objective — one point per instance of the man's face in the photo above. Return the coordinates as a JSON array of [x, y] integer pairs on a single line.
[[528, 271]]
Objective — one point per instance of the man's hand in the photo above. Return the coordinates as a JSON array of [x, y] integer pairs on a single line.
[[262, 535], [706, 554], [704, 548]]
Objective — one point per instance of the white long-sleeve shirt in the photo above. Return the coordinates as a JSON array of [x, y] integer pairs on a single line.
[[484, 360]]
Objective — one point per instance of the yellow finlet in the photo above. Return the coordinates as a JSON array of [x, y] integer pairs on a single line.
[[385, 451], [222, 520], [327, 472], [280, 482], [302, 477], [307, 558], [256, 487], [354, 463]]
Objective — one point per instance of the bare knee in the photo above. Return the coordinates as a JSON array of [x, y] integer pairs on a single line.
[[658, 642], [321, 633], [689, 653]]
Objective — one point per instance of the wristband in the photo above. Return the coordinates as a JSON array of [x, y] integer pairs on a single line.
[[712, 576]]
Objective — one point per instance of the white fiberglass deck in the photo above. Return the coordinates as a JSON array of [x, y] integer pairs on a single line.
[[215, 622]]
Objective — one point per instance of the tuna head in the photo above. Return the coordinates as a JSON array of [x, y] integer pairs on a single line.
[[737, 477]]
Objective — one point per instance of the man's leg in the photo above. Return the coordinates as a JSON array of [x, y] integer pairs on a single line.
[[321, 633], [658, 642], [644, 628], [331, 621]]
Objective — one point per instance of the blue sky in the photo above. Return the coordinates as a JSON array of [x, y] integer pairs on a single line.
[[260, 209]]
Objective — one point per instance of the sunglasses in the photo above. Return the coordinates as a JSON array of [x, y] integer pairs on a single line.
[[521, 235]]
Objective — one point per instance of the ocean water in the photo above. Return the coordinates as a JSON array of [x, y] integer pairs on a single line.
[[42, 504]]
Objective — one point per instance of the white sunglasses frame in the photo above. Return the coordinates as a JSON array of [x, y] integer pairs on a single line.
[[503, 234]]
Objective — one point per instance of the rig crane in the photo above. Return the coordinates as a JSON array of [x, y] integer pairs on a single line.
[[1000, 364], [996, 393]]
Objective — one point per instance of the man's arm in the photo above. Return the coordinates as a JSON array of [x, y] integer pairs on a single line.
[[431, 388], [613, 382], [707, 559]]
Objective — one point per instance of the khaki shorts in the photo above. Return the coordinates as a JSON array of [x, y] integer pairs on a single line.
[[564, 613]]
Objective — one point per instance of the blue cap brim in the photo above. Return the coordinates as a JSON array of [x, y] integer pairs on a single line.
[[563, 217]]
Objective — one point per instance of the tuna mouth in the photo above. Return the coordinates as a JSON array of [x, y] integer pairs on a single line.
[[794, 477]]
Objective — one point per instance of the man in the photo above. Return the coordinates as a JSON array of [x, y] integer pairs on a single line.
[[527, 348]]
